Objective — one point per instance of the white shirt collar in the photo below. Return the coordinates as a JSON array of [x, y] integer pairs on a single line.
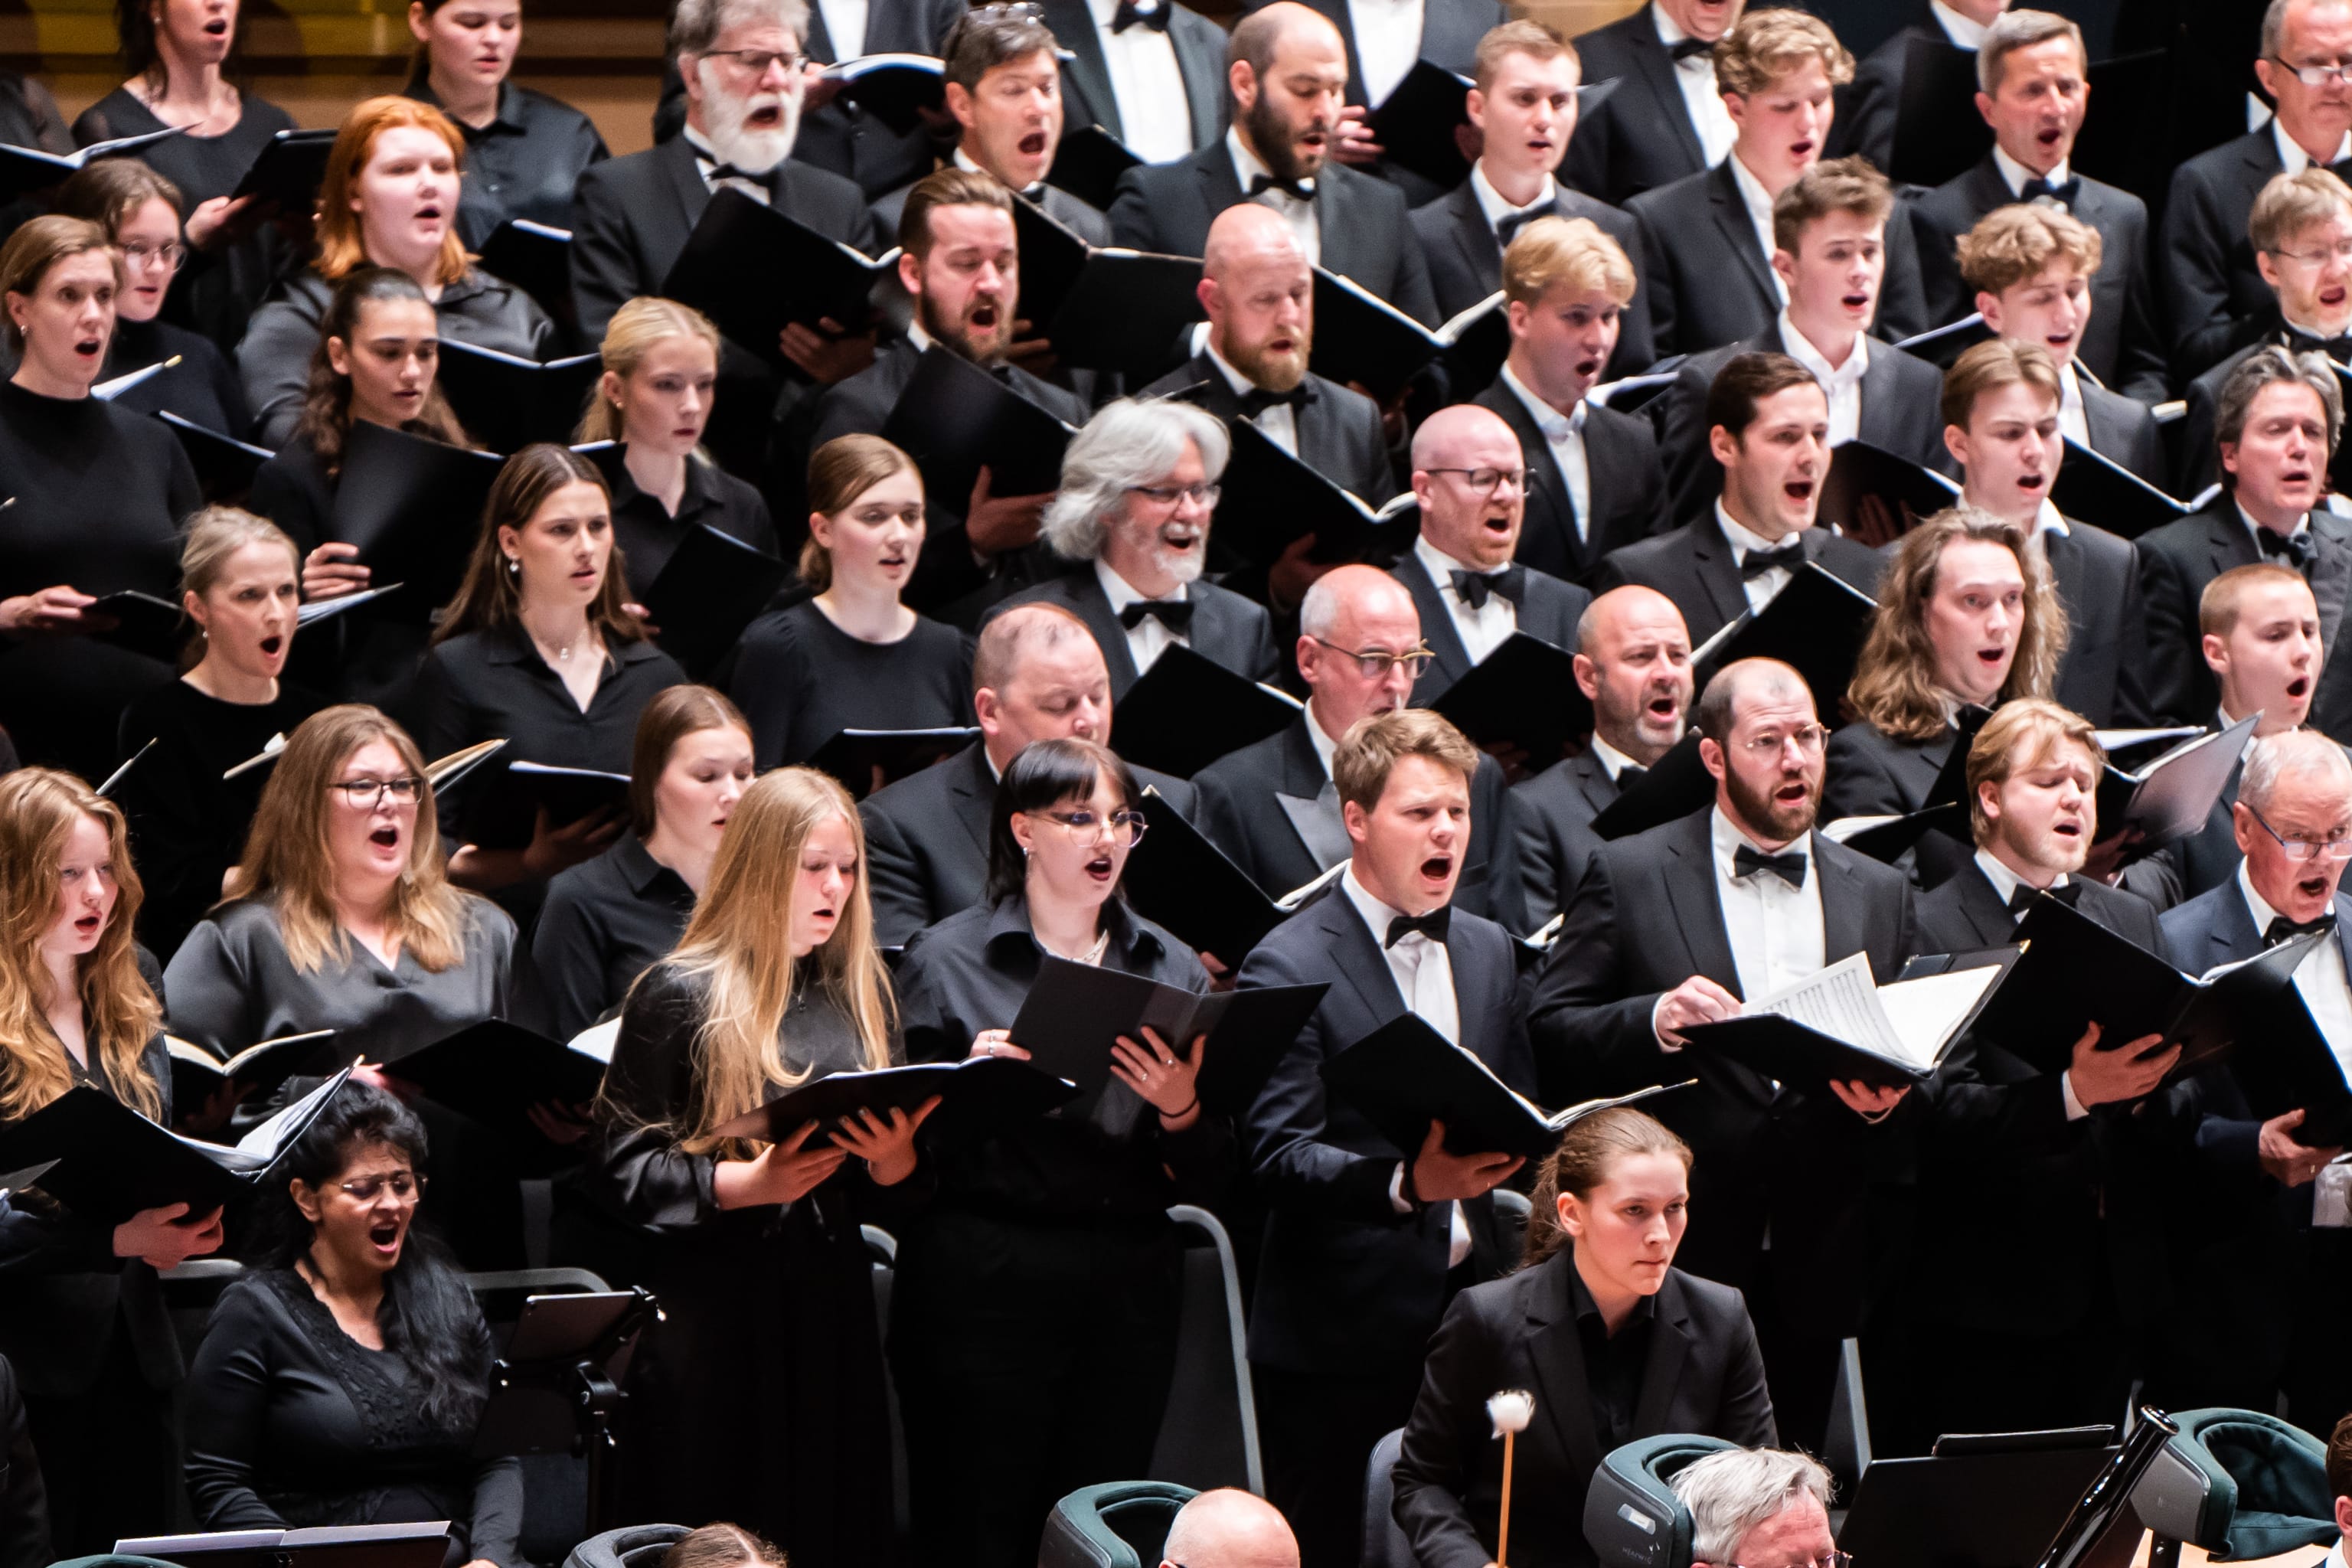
[[1491, 202], [2256, 905], [2070, 389], [1612, 761], [2005, 881], [1248, 166], [1964, 33], [1122, 593], [1103, 11], [1555, 426], [2293, 159], [1325, 744], [2014, 173], [1743, 538], [2052, 521], [917, 336], [1440, 565], [1242, 386], [963, 160], [2255, 529], [2335, 1558], [1376, 914], [1668, 32], [1728, 836], [1834, 381], [1752, 191]]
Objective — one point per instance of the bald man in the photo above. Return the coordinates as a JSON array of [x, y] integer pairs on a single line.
[[1259, 293], [1273, 808], [1229, 1527], [1471, 478], [1287, 70], [1633, 663]]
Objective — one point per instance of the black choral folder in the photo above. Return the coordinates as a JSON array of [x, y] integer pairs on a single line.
[[536, 258], [1938, 133], [955, 419], [289, 169], [1361, 338], [895, 88], [1089, 162], [23, 169], [1415, 124], [495, 1071], [1860, 475], [1075, 1012], [413, 507], [2283, 1062], [506, 401], [1102, 306], [1187, 710], [1523, 694], [754, 270], [1176, 877], [977, 1096], [2170, 797], [501, 805], [225, 466], [867, 759], [1837, 1026], [1272, 500], [1815, 623], [1404, 1075], [1676, 786], [2104, 493], [143, 622], [197, 1075], [712, 587]]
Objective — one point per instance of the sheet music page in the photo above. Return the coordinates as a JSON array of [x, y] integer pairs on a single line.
[[1925, 1011], [1840, 1001]]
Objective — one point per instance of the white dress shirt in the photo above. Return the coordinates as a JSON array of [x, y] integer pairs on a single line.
[[2005, 883], [1695, 76], [1481, 630], [1964, 32], [1842, 384], [2320, 978], [2015, 175], [705, 159], [1298, 216], [1326, 743], [1388, 41], [845, 27], [2293, 159], [1149, 638], [1761, 588], [1613, 761], [1423, 971], [2073, 423], [1494, 208], [1759, 215], [1775, 930], [1278, 423], [1154, 115], [2335, 1558], [1564, 433]]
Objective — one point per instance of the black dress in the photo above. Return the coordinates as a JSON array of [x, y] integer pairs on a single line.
[[100, 494], [202, 388], [1033, 1319], [801, 680], [188, 823], [523, 163], [293, 1423], [760, 1398], [647, 532], [606, 921]]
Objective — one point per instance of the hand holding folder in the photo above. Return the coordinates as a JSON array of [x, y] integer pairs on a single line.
[[1836, 1026], [1075, 1014]]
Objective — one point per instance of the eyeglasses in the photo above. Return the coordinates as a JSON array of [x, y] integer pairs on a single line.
[[367, 795], [1374, 664], [2320, 75], [1833, 1558], [1027, 9], [1169, 495], [1808, 740], [166, 256], [1489, 479], [2340, 251], [406, 1185], [755, 62], [1124, 826], [2306, 848]]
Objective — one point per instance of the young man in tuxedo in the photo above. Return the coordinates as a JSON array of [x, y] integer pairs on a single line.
[[1633, 665], [2001, 423], [1139, 489], [1273, 807], [2248, 1217], [1666, 119], [1288, 70], [2278, 417], [1709, 242], [1366, 1241], [1834, 242], [1471, 595], [1036, 675], [2030, 268], [1151, 74], [1673, 927], [1767, 427], [961, 265], [1524, 106], [1865, 120], [1594, 483], [2205, 262], [2034, 75]]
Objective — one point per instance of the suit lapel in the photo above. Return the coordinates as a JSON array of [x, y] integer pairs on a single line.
[[1657, 68], [1556, 1347], [1093, 605], [1361, 962], [1544, 478], [686, 183], [1717, 571], [819, 42], [1845, 908], [2230, 544], [976, 792], [1988, 916], [1437, 627], [1073, 26], [1480, 251], [1698, 907], [1203, 70], [1661, 1375], [1731, 219], [1592, 781]]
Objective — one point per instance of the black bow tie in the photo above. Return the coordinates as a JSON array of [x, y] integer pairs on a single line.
[[1688, 48], [1257, 400], [2022, 899], [1629, 775], [729, 171], [1477, 587], [2063, 193], [1152, 13], [2296, 548], [2303, 342], [1508, 229], [1297, 190], [2282, 929], [1746, 861], [1759, 562], [1433, 925], [1176, 614]]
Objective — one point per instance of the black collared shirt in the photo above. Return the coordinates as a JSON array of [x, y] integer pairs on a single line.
[[606, 921], [523, 163], [1613, 1364], [646, 533], [802, 681]]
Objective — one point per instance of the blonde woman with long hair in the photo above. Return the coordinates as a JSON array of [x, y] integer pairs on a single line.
[[762, 1400], [82, 1318]]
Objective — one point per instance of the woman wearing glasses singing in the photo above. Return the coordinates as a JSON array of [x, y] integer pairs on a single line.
[[1034, 1325]]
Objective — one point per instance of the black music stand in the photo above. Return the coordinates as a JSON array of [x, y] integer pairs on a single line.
[[1983, 1501], [556, 1388]]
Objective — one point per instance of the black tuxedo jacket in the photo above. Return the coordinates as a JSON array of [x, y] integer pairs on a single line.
[[1550, 615], [2123, 430], [2104, 675], [1710, 283], [1901, 412], [1872, 773], [1080, 216], [927, 840], [1465, 261], [24, 1499], [1346, 1285], [1703, 1373], [1366, 234], [2205, 263], [2121, 345], [1622, 468], [2177, 560], [1868, 107], [1227, 629], [1339, 427], [1642, 136], [1645, 918], [1450, 31], [1239, 813], [1552, 816], [1087, 95], [1694, 566]]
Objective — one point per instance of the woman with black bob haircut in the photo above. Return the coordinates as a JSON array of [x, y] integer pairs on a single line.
[[340, 1379], [1049, 1264]]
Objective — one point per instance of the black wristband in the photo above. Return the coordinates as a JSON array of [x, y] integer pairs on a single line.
[[1177, 1115]]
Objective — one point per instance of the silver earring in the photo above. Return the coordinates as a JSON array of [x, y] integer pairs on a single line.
[[514, 567]]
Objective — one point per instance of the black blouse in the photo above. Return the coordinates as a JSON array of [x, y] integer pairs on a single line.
[[801, 680], [1105, 1157], [606, 921], [523, 163], [294, 1424], [99, 494], [202, 388], [647, 533]]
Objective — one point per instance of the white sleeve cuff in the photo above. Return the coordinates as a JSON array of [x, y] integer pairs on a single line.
[[1657, 1032], [1396, 1190], [2076, 1109]]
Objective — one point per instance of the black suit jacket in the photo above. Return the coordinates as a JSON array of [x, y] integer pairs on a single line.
[[2104, 675], [1645, 918], [1080, 216], [1346, 1285], [2205, 263], [2123, 430], [1867, 107], [1087, 95], [1552, 815], [1227, 629], [1710, 283], [1694, 566], [1465, 261], [1901, 412], [1240, 813], [2177, 560], [1642, 136], [1366, 234], [1339, 427], [1872, 773], [1550, 615], [2122, 344], [1450, 31], [1621, 468], [24, 1499], [1703, 1373]]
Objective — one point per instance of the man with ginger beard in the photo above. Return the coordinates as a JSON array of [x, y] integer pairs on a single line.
[[1286, 69], [1675, 927]]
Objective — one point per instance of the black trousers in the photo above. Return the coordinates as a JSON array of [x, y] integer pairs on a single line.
[[108, 1456], [1031, 1361], [1318, 1434], [2318, 1376]]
